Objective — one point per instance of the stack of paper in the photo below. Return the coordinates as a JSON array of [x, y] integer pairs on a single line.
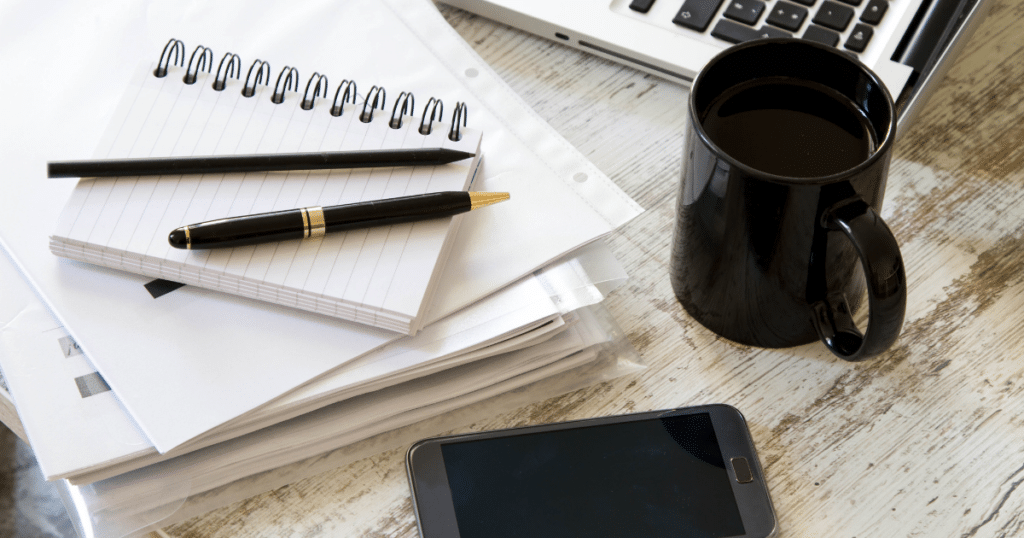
[[373, 394], [256, 385]]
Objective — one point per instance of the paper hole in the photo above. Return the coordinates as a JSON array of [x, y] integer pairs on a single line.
[[580, 177], [472, 72]]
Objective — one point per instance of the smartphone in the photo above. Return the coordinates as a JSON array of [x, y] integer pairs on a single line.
[[688, 472]]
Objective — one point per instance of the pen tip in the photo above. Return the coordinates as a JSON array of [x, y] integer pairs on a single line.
[[178, 238], [481, 199]]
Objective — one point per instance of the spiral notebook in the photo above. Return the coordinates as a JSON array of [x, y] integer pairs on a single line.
[[382, 276]]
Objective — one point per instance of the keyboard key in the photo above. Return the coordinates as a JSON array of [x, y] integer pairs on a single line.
[[821, 35], [859, 37], [833, 15], [697, 14], [733, 32], [768, 31], [788, 16], [643, 6], [852, 2], [806, 2], [737, 33], [747, 11], [874, 11]]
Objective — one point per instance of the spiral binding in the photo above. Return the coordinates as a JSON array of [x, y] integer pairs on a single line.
[[408, 103], [234, 67], [461, 113], [427, 126], [337, 108], [378, 93], [249, 91], [203, 52], [288, 79], [289, 82], [175, 46], [307, 98]]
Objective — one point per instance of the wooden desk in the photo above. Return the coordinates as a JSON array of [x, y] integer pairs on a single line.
[[927, 440]]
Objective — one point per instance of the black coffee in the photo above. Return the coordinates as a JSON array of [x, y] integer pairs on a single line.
[[789, 128]]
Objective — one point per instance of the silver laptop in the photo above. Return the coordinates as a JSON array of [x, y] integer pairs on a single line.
[[909, 43]]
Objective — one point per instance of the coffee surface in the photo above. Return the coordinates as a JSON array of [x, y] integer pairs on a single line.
[[789, 128]]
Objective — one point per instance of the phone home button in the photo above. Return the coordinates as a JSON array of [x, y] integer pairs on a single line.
[[741, 468]]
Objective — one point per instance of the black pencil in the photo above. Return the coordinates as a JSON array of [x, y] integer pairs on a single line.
[[269, 162], [313, 222]]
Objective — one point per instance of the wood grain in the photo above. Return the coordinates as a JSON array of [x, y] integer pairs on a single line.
[[927, 440]]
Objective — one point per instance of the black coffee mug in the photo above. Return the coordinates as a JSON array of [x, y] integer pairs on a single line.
[[785, 165]]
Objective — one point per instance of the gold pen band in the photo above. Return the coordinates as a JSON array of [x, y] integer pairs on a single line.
[[317, 224], [313, 224], [188, 238]]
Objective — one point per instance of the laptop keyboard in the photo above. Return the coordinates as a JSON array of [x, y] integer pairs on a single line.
[[824, 21]]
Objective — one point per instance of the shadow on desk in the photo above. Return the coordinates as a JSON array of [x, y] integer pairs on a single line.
[[29, 506]]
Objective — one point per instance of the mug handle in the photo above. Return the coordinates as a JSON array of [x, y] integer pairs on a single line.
[[886, 283]]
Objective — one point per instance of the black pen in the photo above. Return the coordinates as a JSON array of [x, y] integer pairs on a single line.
[[267, 162], [312, 222]]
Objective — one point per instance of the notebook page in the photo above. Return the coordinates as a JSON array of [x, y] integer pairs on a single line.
[[378, 276]]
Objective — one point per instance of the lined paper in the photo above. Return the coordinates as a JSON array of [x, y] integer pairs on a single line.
[[379, 276]]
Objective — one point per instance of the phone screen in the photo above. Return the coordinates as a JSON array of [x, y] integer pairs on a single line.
[[648, 478]]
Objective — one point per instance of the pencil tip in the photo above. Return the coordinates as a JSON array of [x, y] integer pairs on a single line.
[[481, 199], [453, 155]]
